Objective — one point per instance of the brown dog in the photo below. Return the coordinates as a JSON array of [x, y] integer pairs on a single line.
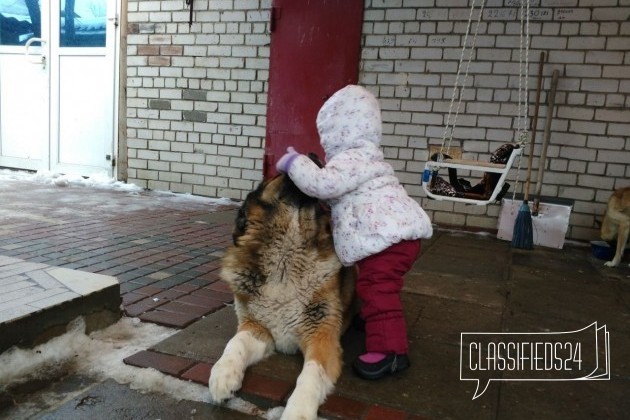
[[616, 223], [291, 293]]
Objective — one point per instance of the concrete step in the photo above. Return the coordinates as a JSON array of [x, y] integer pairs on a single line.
[[37, 301]]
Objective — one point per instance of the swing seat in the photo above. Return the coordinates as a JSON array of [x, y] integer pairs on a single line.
[[491, 188]]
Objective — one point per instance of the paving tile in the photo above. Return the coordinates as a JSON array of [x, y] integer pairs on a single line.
[[166, 363], [56, 299], [19, 294], [200, 373], [142, 241], [28, 295], [19, 268], [18, 285], [149, 290], [82, 282], [343, 408], [10, 247], [144, 281], [186, 287], [169, 319], [44, 279], [131, 297], [142, 306], [171, 281], [204, 301], [160, 275], [200, 282], [127, 287], [272, 389], [211, 276], [207, 292], [188, 308], [15, 312], [169, 294], [118, 269]]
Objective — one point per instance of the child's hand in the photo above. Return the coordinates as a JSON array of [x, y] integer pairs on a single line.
[[284, 163]]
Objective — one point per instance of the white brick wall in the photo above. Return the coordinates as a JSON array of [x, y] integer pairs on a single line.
[[196, 97], [588, 44]]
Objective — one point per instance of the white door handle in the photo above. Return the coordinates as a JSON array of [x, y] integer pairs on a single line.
[[33, 58]]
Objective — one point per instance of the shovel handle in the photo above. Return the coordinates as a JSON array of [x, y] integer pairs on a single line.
[[530, 158], [547, 133]]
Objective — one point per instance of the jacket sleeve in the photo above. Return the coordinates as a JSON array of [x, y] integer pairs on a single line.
[[337, 178]]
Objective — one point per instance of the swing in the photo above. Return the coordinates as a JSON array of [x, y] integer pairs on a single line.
[[492, 187]]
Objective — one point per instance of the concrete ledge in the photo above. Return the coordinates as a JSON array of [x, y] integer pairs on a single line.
[[38, 301]]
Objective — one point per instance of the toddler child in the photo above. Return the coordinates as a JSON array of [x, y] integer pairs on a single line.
[[375, 223]]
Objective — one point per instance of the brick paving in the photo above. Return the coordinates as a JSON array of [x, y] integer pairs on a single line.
[[166, 257], [166, 265]]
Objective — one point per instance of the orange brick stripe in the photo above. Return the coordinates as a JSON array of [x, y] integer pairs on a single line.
[[264, 389]]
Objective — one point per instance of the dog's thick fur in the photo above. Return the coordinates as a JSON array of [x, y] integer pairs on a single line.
[[616, 223], [291, 293]]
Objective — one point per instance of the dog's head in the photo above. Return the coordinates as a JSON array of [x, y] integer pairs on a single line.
[[270, 197], [608, 231]]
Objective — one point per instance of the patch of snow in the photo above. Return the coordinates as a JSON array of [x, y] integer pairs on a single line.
[[100, 355], [95, 180], [100, 180]]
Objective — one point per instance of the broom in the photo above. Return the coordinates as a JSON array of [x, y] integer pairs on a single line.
[[523, 234]]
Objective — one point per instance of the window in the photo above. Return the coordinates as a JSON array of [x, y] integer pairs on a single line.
[[82, 23], [20, 20]]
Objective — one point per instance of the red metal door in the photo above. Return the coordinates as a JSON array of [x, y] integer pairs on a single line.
[[315, 51]]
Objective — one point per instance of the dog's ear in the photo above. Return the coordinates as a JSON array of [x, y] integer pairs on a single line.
[[316, 159], [240, 224], [598, 223]]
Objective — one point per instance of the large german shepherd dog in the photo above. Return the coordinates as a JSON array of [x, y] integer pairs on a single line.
[[616, 223], [290, 291]]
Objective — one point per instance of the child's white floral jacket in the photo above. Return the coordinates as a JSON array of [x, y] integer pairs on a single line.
[[370, 209]]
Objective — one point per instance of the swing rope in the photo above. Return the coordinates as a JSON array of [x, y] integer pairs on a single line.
[[522, 137], [458, 89], [459, 85]]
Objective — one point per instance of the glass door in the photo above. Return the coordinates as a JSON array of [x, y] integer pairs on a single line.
[[58, 85], [24, 84], [82, 97]]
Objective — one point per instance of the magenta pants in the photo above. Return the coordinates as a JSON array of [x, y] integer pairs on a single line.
[[378, 285]]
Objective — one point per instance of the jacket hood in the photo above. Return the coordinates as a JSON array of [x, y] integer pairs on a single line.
[[349, 119]]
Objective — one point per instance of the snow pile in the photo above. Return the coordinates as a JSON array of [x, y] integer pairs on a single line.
[[100, 355], [96, 180], [100, 180]]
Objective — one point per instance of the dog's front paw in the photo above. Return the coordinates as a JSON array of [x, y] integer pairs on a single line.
[[226, 378], [295, 411], [612, 263]]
